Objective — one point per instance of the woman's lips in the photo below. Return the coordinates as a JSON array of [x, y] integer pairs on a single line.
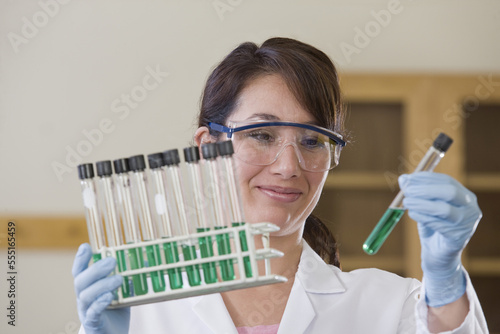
[[281, 194]]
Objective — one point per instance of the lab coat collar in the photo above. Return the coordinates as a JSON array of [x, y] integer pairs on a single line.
[[213, 312], [315, 275]]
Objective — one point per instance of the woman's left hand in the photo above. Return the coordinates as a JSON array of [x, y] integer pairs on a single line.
[[447, 215]]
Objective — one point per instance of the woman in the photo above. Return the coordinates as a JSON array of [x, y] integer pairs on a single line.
[[281, 105]]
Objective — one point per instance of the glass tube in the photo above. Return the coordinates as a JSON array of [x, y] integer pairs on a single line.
[[233, 196], [163, 219], [137, 165], [396, 209], [108, 210], [130, 224], [94, 225], [192, 158], [173, 180], [209, 152]]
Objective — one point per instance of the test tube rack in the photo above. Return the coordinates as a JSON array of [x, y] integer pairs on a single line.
[[216, 258], [237, 257]]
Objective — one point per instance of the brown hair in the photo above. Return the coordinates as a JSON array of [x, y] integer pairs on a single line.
[[311, 77]]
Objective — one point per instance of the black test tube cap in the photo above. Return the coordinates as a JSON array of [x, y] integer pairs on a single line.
[[209, 151], [104, 168], [225, 148], [121, 165], [137, 163], [171, 157], [85, 171], [155, 160], [442, 142], [192, 154]]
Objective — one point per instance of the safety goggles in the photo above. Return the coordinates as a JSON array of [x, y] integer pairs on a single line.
[[261, 143]]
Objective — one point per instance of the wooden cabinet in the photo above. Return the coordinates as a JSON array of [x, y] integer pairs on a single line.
[[393, 120]]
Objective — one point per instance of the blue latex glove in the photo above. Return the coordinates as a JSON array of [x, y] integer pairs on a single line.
[[447, 215], [94, 292]]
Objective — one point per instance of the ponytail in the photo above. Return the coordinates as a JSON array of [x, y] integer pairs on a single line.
[[321, 240]]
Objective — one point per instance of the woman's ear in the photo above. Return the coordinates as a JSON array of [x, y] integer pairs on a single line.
[[202, 136]]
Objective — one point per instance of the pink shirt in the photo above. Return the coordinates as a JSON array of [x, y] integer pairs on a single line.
[[269, 329]]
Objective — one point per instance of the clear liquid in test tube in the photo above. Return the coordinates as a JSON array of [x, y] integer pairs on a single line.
[[173, 182], [209, 153], [233, 197], [111, 219], [163, 219], [130, 224], [94, 223], [396, 209], [137, 167], [192, 158]]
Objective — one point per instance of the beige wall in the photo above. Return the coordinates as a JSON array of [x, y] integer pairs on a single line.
[[66, 66]]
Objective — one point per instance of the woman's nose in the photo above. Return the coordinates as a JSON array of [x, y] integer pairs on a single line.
[[287, 161]]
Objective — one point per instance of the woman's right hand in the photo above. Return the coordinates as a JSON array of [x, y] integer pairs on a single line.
[[94, 292]]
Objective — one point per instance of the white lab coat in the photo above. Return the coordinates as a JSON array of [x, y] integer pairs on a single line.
[[323, 300]]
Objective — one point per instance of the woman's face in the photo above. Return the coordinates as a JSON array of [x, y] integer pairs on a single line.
[[281, 193]]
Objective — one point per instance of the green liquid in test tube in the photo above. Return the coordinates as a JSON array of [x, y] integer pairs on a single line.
[[163, 219], [173, 177], [396, 210], [94, 225], [192, 158], [137, 165], [209, 152], [96, 257], [206, 250], [140, 281], [172, 256]]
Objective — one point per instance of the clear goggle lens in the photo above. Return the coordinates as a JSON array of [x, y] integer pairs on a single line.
[[316, 152]]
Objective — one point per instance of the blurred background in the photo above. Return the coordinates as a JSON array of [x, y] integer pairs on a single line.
[[83, 81]]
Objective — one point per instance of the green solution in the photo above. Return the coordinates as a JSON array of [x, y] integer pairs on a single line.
[[206, 250], [244, 248], [122, 266], [154, 259], [382, 230], [172, 256], [193, 271], [96, 257], [139, 281], [224, 248]]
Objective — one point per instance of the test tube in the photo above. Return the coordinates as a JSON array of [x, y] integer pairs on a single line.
[[130, 225], [173, 178], [164, 222], [396, 209], [192, 158], [113, 228], [94, 225], [209, 152], [137, 165], [233, 197]]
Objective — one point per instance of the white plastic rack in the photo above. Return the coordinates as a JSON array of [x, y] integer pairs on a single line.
[[243, 278]]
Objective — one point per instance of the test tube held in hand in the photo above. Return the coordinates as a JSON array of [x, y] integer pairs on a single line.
[[112, 223], [209, 153], [192, 158], [130, 224], [233, 196], [396, 209], [137, 167], [173, 174], [163, 219], [94, 224]]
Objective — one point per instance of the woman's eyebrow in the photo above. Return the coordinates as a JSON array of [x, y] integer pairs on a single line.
[[264, 116]]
